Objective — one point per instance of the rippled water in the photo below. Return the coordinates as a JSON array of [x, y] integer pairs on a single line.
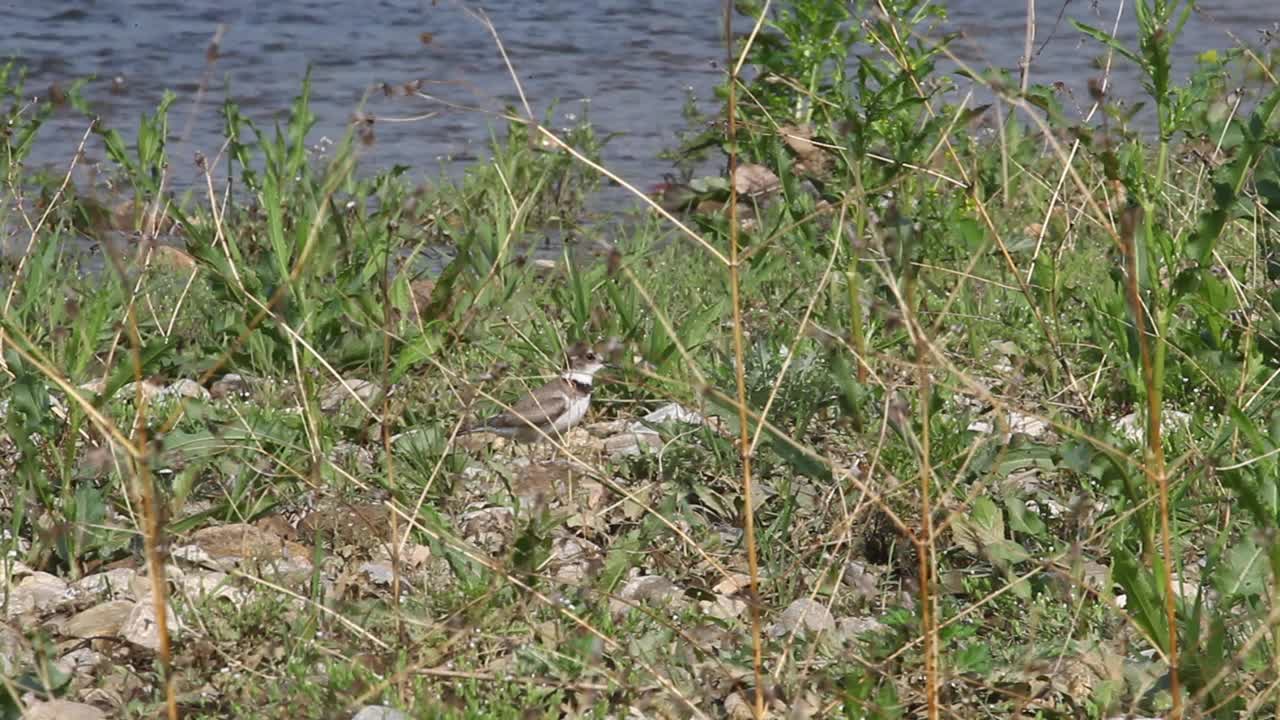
[[629, 62]]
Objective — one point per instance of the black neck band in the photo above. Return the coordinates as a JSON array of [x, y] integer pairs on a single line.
[[582, 387]]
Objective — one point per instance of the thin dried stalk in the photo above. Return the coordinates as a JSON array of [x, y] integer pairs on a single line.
[[744, 424], [1153, 378]]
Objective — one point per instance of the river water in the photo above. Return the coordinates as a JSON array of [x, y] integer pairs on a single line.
[[629, 63]]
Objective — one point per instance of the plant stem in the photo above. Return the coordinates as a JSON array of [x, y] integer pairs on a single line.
[[744, 427], [1153, 361], [924, 546]]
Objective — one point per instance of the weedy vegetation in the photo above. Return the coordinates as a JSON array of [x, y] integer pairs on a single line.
[[975, 404]]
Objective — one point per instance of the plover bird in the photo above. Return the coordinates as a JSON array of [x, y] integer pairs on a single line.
[[551, 409]]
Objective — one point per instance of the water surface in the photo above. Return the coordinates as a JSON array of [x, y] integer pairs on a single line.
[[628, 63]]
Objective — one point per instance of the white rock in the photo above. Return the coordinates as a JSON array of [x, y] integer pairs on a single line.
[[803, 615], [982, 427], [186, 388], [200, 585], [488, 528], [335, 394], [11, 571], [80, 660], [723, 607], [412, 555], [1018, 423], [732, 583], [99, 621], [379, 712], [736, 707], [851, 628], [632, 442], [141, 628], [639, 436], [646, 589], [231, 385], [62, 710], [862, 580], [676, 412], [39, 592], [15, 652], [115, 584], [752, 179], [196, 555], [1133, 426], [571, 558], [472, 471], [150, 391], [379, 573]]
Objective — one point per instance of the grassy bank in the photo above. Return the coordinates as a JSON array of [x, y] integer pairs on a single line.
[[998, 380]]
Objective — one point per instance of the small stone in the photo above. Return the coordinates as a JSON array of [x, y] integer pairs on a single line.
[[572, 559], [197, 586], [861, 580], [62, 710], [336, 394], [489, 528], [539, 482], [732, 583], [410, 557], [379, 712], [606, 428], [803, 615], [851, 628], [632, 442], [736, 707], [226, 547], [15, 652], [545, 269], [723, 607], [1018, 423], [1031, 426], [752, 179], [39, 592], [99, 621], [677, 413], [379, 573], [231, 385], [1133, 426], [171, 258], [141, 628], [140, 586], [982, 427], [114, 584], [362, 525], [185, 388], [80, 660], [646, 589], [799, 138], [150, 391], [807, 705]]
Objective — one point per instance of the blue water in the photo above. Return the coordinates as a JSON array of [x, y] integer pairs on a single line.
[[629, 63]]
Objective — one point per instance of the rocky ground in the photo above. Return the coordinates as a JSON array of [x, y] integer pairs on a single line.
[[90, 639]]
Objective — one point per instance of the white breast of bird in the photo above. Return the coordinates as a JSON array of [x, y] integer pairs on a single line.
[[576, 410]]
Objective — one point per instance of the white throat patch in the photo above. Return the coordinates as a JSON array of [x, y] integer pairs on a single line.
[[581, 378]]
